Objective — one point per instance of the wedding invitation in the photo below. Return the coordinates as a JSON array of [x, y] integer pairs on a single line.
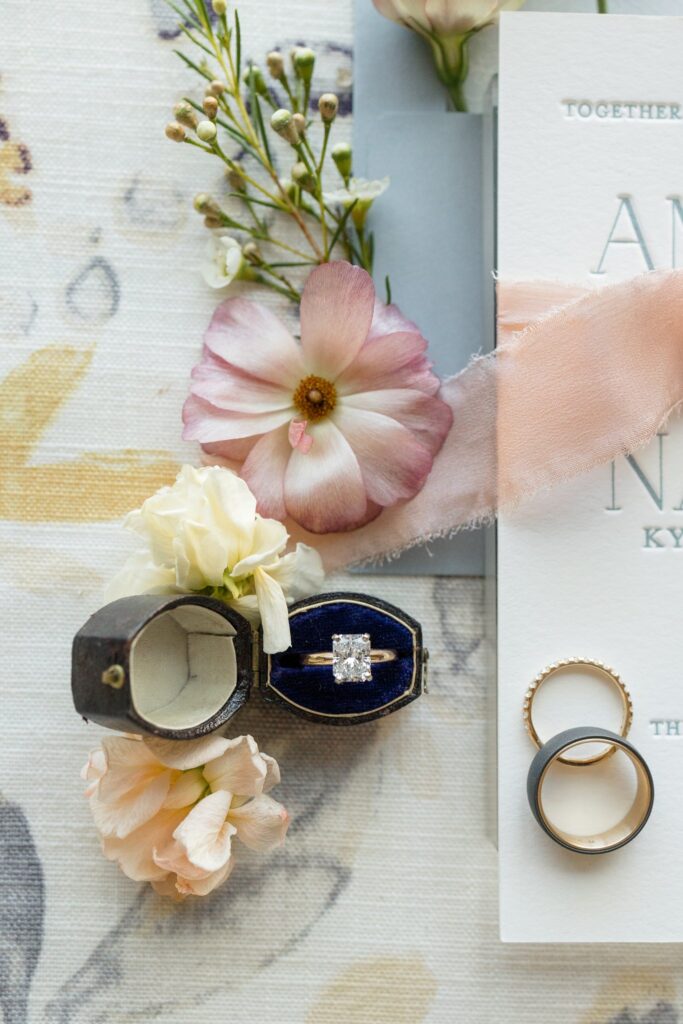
[[590, 193]]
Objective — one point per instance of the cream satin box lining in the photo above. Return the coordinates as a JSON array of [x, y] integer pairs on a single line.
[[589, 193]]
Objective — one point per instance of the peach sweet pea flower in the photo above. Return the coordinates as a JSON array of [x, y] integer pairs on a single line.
[[333, 429], [168, 811]]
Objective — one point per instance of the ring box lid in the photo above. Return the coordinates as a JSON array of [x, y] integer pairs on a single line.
[[181, 666]]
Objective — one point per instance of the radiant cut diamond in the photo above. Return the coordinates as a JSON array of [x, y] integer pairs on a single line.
[[351, 657]]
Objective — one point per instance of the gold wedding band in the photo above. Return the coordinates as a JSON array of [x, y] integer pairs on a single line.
[[609, 674]]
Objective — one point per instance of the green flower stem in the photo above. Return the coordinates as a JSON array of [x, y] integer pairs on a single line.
[[602, 7], [457, 97], [290, 95], [232, 77], [289, 292], [323, 151]]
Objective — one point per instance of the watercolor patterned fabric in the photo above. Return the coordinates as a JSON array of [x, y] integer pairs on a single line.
[[381, 908]]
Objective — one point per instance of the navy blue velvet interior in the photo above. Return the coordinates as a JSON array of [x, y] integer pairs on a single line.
[[313, 686]]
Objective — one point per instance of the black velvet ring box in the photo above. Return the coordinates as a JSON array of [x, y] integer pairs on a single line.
[[181, 666]]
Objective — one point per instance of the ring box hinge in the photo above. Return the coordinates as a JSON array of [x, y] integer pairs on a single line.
[[255, 657]]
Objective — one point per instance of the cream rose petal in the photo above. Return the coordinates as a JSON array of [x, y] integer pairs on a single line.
[[261, 823], [140, 575], [299, 573], [241, 769], [205, 833], [269, 539], [274, 612]]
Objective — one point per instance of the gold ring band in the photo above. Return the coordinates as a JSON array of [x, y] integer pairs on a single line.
[[613, 837], [327, 657], [609, 674]]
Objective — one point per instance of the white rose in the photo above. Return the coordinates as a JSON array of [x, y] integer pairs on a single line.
[[204, 534]]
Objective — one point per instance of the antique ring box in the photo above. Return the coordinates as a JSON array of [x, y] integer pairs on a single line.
[[181, 666]]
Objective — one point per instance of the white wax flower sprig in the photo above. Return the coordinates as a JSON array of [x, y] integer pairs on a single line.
[[204, 535], [448, 26]]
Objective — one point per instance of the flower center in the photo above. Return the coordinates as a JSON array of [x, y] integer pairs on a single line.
[[315, 397]]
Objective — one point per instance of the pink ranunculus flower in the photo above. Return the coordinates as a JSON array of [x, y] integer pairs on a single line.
[[332, 429], [168, 811]]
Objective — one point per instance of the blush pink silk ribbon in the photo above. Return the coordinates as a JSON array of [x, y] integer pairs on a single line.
[[579, 377]]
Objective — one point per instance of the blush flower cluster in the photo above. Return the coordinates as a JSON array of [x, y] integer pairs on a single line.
[[168, 812]]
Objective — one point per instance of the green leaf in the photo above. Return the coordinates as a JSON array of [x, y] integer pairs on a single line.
[[253, 199], [238, 46], [342, 224], [196, 41], [256, 111], [195, 67], [387, 285]]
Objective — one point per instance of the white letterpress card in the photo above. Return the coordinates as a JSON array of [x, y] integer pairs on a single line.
[[590, 194]]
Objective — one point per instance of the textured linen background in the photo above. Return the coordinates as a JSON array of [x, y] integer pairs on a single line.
[[382, 905]]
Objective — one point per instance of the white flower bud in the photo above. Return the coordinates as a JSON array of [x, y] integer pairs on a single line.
[[220, 7], [235, 180], [276, 64], [302, 177], [175, 131], [210, 107], [203, 203], [216, 88], [328, 105], [254, 73], [342, 154], [252, 253], [303, 61], [299, 123], [282, 122], [206, 131], [185, 115]]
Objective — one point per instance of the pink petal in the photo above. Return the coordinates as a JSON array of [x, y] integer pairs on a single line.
[[185, 754], [264, 471], [134, 853], [394, 361], [261, 823], [230, 451], [172, 857], [393, 462], [124, 815], [336, 313], [203, 886], [324, 490], [205, 833], [239, 769], [272, 772], [205, 423], [428, 418], [390, 320], [298, 438], [251, 338], [237, 392]]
